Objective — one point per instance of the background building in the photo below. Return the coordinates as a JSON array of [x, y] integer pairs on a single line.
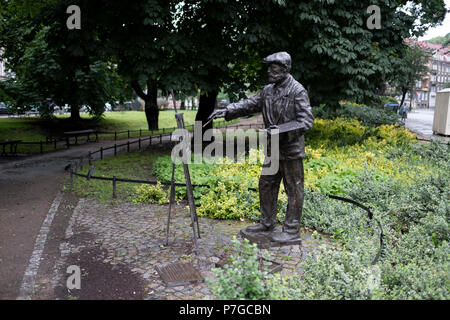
[[435, 79]]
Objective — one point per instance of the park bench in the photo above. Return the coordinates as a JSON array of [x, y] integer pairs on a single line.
[[76, 134], [12, 145]]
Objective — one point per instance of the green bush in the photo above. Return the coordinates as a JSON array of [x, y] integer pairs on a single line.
[[386, 99], [150, 194], [242, 277], [365, 114], [405, 183]]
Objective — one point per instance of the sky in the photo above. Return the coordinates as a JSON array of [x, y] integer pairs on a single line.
[[441, 30]]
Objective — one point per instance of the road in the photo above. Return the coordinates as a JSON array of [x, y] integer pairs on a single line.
[[421, 121]]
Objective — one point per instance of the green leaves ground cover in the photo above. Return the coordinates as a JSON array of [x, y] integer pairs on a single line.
[[405, 183]]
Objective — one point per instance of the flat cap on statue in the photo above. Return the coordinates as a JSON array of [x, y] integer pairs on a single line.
[[282, 58]]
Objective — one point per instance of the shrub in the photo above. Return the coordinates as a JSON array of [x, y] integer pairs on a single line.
[[405, 183], [150, 194], [367, 115], [242, 277]]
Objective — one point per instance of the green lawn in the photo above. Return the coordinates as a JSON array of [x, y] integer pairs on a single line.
[[35, 129]]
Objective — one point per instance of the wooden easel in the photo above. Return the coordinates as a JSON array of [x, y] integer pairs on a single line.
[[189, 190]]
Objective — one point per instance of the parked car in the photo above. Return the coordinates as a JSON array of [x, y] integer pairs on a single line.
[[391, 106], [223, 103], [4, 109]]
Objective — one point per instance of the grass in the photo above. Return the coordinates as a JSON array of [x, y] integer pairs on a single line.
[[36, 129], [132, 165]]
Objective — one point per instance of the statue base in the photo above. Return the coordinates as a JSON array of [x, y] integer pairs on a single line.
[[264, 239]]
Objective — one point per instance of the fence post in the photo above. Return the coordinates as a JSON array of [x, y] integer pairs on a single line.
[[42, 149], [71, 178], [115, 149], [160, 138], [115, 135], [101, 153], [139, 143], [89, 158], [128, 146], [140, 132], [114, 187]]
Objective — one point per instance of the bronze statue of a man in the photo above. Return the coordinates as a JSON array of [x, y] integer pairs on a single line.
[[283, 101]]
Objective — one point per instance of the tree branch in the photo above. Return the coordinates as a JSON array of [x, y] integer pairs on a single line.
[[137, 88]]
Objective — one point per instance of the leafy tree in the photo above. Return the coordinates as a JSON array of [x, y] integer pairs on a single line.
[[444, 40], [50, 61], [334, 53], [206, 46], [141, 37], [411, 69]]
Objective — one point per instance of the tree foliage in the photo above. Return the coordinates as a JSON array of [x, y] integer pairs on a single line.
[[444, 40], [411, 69], [205, 46], [50, 61]]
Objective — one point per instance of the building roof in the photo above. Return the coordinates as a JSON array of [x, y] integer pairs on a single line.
[[440, 52]]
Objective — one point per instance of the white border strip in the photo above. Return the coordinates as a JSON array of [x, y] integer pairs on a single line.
[[29, 277]]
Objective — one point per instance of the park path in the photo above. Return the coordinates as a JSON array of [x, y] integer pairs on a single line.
[[28, 189]]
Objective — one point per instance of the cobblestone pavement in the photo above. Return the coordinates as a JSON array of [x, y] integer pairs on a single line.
[[133, 235]]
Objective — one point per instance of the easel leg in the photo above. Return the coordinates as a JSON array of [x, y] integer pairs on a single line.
[[171, 200]]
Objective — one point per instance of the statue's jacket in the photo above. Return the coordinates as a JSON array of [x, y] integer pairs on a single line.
[[280, 104]]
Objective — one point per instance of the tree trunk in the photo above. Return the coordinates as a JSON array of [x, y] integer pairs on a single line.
[[151, 106], [75, 112], [206, 106], [151, 102], [404, 91]]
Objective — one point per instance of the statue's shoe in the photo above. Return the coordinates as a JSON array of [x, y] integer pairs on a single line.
[[284, 237], [259, 228]]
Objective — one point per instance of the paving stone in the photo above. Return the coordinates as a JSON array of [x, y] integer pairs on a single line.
[[134, 235]]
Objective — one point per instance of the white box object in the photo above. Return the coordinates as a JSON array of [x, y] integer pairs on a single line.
[[441, 120]]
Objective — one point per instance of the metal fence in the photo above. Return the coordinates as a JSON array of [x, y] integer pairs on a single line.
[[54, 143], [74, 172]]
